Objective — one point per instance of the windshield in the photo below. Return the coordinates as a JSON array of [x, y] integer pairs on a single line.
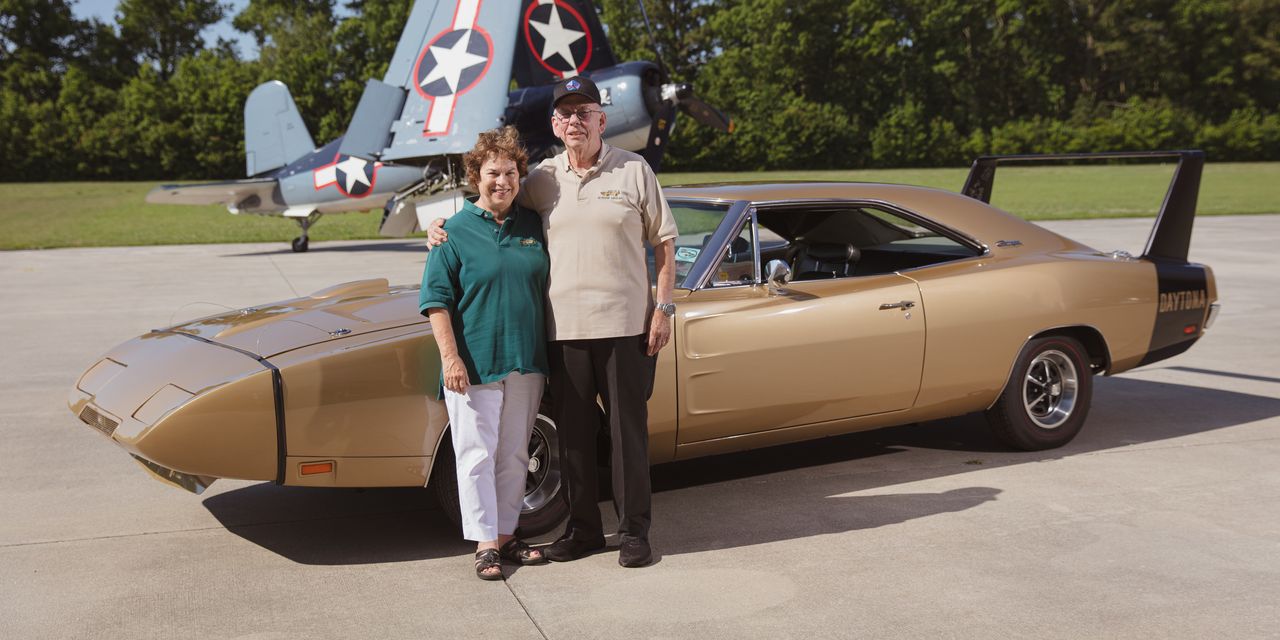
[[696, 221]]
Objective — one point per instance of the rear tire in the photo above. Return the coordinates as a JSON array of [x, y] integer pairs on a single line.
[[545, 505], [1046, 400]]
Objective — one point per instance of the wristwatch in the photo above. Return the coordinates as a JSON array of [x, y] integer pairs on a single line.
[[668, 309]]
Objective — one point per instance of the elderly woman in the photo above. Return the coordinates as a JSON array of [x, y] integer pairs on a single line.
[[484, 292]]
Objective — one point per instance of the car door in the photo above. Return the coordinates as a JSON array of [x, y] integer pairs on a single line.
[[753, 359]]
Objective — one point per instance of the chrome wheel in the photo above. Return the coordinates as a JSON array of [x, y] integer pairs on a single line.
[[1050, 389], [543, 482]]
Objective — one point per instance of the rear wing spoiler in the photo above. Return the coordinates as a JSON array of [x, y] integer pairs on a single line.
[[1170, 238]]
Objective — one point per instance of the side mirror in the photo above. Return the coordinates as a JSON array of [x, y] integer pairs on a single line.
[[776, 274]]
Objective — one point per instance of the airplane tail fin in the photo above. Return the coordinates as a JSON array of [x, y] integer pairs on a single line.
[[558, 40], [274, 134]]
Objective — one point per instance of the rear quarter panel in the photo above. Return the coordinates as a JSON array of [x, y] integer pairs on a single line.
[[982, 311]]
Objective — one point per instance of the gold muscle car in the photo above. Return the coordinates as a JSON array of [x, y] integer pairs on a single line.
[[804, 310]]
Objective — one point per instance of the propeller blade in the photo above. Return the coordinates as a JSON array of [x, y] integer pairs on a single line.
[[657, 52], [659, 133], [706, 114]]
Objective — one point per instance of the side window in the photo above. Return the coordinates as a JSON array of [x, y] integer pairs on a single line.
[[737, 265], [907, 237], [853, 241]]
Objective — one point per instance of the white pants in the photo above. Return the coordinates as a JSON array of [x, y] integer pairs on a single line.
[[491, 424]]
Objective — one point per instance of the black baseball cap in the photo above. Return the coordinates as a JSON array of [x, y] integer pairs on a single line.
[[576, 86]]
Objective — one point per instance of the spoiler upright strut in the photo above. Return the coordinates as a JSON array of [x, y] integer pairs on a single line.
[[1170, 238]]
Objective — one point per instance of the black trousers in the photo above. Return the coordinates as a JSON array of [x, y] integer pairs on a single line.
[[620, 372]]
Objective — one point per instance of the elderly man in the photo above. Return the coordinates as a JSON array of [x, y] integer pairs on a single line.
[[601, 206]]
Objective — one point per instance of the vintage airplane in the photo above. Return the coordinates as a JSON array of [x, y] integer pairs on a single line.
[[449, 79]]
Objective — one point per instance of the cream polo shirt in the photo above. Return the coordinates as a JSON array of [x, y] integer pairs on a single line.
[[596, 229]]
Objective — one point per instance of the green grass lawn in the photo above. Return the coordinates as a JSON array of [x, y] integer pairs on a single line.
[[92, 214]]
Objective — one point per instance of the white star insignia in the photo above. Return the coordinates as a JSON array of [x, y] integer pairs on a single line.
[[451, 62], [354, 168], [556, 38]]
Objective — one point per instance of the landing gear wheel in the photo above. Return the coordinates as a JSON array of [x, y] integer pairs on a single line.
[[544, 504], [1046, 400], [300, 242]]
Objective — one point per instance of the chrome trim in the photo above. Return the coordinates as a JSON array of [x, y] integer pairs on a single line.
[[755, 244], [779, 271], [543, 480], [1050, 389], [1213, 315], [702, 268], [904, 305]]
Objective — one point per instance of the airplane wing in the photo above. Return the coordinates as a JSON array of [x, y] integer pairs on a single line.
[[558, 39], [260, 195], [451, 72]]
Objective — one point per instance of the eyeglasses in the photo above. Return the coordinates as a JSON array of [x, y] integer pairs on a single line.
[[581, 113]]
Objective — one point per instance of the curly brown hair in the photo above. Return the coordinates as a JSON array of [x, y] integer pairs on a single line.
[[503, 142]]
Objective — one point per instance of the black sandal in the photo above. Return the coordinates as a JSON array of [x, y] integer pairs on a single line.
[[488, 559], [517, 551]]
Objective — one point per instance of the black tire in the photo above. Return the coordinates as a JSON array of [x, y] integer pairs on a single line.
[[300, 245], [1046, 399], [545, 505]]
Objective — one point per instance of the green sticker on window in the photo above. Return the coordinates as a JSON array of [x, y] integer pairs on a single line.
[[687, 254]]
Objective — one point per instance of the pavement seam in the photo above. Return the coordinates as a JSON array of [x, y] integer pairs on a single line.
[[226, 527], [1189, 445], [37, 543], [284, 277], [527, 613]]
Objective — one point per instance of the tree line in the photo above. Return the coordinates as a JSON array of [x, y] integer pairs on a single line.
[[809, 83]]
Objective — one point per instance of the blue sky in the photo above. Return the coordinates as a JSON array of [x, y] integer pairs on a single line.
[[105, 10]]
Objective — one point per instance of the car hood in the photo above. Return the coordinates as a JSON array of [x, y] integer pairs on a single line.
[[352, 308]]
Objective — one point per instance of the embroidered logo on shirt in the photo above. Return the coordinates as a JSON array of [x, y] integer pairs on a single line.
[[528, 242], [610, 194]]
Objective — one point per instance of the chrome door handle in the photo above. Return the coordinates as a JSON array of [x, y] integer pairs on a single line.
[[905, 304]]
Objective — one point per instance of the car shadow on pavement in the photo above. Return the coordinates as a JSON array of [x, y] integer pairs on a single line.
[[753, 497], [413, 246], [801, 490], [324, 526]]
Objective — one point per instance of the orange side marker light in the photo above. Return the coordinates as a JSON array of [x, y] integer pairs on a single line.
[[312, 468]]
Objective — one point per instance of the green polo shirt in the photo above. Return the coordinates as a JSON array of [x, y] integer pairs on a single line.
[[493, 280]]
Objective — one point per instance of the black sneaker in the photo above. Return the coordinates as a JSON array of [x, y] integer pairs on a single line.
[[570, 548], [634, 552]]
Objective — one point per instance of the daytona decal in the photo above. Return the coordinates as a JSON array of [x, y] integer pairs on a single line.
[[1183, 300]]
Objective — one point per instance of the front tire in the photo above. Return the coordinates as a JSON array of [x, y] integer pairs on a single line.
[[544, 504], [1046, 400]]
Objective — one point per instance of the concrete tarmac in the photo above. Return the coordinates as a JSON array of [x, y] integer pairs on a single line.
[[1162, 519]]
